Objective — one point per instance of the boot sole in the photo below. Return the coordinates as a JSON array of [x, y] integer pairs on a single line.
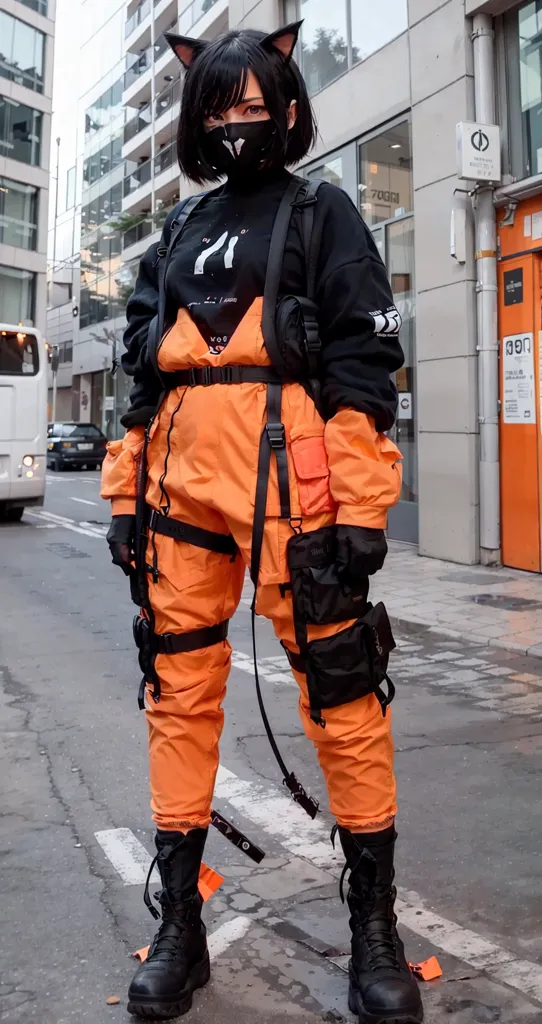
[[151, 1008], [355, 1005]]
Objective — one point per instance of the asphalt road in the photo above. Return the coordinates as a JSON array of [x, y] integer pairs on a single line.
[[75, 829]]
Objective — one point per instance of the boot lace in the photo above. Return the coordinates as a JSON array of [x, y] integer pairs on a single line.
[[165, 945]]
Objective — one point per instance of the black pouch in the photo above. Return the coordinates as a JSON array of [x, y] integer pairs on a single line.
[[351, 664], [297, 336], [319, 596]]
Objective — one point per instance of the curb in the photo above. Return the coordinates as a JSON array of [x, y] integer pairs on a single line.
[[413, 625]]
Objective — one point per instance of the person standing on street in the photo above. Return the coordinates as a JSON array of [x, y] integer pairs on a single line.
[[261, 339]]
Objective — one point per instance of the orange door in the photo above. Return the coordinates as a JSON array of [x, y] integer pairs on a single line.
[[521, 447]]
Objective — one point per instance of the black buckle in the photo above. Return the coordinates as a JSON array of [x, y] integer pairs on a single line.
[[153, 518], [206, 376], [192, 377], [277, 435], [166, 641]]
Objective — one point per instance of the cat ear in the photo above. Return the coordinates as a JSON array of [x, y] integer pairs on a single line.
[[186, 49], [284, 40]]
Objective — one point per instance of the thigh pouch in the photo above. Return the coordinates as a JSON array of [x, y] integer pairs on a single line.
[[353, 662]]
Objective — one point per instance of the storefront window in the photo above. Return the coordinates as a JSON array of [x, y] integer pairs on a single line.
[[18, 214], [20, 132], [400, 264], [385, 173], [336, 36], [524, 88]]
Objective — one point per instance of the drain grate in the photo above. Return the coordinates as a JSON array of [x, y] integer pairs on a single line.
[[67, 551], [479, 579], [505, 601]]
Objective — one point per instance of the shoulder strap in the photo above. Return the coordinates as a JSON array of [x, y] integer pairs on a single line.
[[311, 238], [274, 270], [177, 228]]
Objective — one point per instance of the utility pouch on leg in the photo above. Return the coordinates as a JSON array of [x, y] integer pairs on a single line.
[[319, 597]]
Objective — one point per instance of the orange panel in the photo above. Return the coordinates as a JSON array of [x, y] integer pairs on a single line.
[[518, 280]]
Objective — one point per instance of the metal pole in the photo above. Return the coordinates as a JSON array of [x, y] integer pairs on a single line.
[[486, 294], [54, 366]]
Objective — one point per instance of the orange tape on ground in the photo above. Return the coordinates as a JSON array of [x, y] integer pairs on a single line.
[[427, 970]]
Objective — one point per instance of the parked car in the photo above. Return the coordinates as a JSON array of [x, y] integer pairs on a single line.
[[74, 445]]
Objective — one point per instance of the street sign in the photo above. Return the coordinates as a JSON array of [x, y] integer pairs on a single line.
[[479, 151], [109, 403]]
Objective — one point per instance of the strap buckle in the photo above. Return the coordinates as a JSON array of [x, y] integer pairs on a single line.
[[277, 435], [167, 643]]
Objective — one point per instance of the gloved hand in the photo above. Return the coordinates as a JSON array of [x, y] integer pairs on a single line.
[[361, 551], [121, 537]]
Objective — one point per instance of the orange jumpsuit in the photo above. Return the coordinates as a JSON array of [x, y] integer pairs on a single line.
[[203, 456]]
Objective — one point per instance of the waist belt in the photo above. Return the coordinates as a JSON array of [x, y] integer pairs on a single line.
[[181, 643], [206, 375], [223, 543]]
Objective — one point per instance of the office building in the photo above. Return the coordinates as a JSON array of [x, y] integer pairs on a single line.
[[26, 83]]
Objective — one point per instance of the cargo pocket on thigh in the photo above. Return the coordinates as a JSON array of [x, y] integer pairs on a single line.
[[119, 469], [312, 474], [350, 664]]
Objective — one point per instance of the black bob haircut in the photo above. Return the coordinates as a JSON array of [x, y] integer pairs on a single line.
[[216, 80]]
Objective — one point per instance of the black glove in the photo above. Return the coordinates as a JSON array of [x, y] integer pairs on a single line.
[[121, 537], [360, 553]]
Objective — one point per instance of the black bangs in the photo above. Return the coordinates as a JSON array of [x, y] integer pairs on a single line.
[[217, 80]]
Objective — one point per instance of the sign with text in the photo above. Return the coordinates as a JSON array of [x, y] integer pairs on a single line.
[[518, 379], [479, 151]]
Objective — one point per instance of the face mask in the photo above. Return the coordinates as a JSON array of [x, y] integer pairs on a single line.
[[239, 147]]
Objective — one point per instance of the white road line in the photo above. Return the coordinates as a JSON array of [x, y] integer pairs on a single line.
[[275, 669], [473, 949], [226, 933], [127, 855], [68, 524], [279, 816], [83, 501], [47, 526]]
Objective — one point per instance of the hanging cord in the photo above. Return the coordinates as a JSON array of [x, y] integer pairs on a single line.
[[163, 493]]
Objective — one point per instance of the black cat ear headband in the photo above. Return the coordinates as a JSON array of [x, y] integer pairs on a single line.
[[283, 41]]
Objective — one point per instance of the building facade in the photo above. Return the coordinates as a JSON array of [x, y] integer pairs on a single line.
[[26, 85], [389, 85]]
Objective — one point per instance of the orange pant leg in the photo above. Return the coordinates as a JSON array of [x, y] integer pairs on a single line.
[[355, 750], [195, 588]]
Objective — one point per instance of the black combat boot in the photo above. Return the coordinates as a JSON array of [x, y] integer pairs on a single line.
[[382, 987], [178, 960]]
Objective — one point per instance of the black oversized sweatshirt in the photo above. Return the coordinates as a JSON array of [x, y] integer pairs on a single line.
[[218, 268]]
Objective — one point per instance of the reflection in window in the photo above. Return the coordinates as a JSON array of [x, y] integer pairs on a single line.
[[524, 81], [22, 51], [400, 264], [40, 6], [324, 48], [18, 214], [386, 175], [331, 171], [20, 131], [375, 24], [17, 292], [336, 36]]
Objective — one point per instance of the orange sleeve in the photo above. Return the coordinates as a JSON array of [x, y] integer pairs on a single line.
[[119, 472], [365, 469]]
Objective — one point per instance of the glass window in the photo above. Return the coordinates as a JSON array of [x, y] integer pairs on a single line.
[[374, 25], [70, 188], [18, 214], [324, 48], [524, 86], [17, 290], [335, 36], [18, 353], [400, 264], [22, 52], [385, 173], [20, 131], [40, 6], [81, 430]]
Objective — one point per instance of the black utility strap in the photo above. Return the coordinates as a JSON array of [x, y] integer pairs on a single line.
[[205, 375], [223, 543], [194, 640], [273, 273]]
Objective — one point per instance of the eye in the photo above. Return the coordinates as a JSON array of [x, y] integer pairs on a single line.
[[255, 109]]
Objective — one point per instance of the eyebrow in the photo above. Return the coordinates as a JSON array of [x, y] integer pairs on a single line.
[[250, 99]]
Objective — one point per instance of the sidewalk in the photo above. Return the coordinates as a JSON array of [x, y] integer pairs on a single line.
[[495, 607]]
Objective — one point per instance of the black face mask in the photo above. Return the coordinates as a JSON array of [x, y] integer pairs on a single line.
[[236, 147]]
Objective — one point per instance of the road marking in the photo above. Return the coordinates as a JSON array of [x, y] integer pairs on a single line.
[[226, 933], [275, 669], [127, 855], [466, 945], [283, 819], [47, 526], [83, 501], [68, 524]]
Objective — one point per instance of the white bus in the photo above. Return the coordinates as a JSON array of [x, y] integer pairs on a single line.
[[23, 419]]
